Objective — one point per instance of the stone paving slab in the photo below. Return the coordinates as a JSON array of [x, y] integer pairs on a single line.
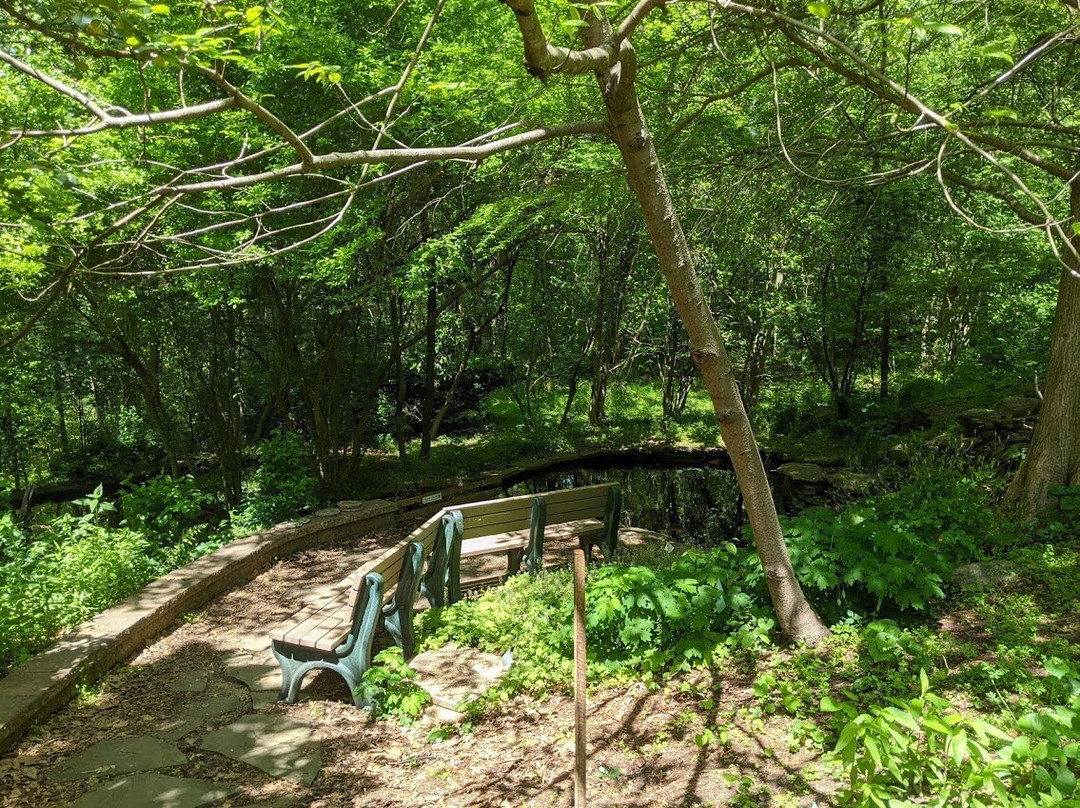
[[154, 791], [263, 700], [118, 756], [188, 682], [454, 676], [280, 746], [254, 674], [199, 713]]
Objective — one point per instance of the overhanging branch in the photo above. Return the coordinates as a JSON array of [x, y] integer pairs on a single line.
[[335, 160]]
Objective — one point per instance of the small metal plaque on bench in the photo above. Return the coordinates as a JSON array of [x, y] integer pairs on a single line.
[[431, 498]]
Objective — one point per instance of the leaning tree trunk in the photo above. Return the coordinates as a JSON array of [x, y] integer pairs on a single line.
[[627, 128], [1054, 455]]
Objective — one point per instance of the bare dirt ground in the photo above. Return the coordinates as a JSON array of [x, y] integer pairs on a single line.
[[641, 739]]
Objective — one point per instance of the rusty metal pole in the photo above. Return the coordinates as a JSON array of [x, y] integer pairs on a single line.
[[579, 679]]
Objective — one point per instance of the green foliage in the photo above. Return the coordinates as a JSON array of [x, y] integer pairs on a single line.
[[926, 751], [894, 551], [668, 617], [282, 485], [73, 567], [60, 577], [671, 615], [390, 686], [163, 508], [526, 616], [1066, 520]]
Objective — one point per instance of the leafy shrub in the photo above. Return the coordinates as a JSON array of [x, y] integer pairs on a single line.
[[655, 618], [927, 752], [72, 570], [887, 642], [890, 552], [75, 567], [672, 615], [282, 485], [390, 686], [164, 508], [526, 616]]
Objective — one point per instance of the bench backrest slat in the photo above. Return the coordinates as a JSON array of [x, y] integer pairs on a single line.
[[513, 513]]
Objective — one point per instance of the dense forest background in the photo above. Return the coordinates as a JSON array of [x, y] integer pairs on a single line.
[[864, 268]]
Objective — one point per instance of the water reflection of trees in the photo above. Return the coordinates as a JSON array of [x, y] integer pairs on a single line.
[[697, 506]]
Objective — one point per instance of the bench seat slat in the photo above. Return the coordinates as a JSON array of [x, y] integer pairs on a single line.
[[334, 632], [294, 634], [519, 539]]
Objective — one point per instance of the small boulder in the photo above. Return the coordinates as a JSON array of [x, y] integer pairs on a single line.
[[900, 454], [1017, 406], [978, 420], [852, 481], [804, 473], [983, 573]]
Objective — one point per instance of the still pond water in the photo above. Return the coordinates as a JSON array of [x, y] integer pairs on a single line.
[[696, 506]]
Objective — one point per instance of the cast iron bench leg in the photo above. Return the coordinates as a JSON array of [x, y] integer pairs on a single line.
[[349, 660], [398, 613]]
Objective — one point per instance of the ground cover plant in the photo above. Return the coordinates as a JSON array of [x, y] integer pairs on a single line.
[[62, 572]]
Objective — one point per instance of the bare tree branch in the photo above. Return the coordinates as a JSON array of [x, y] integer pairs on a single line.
[[333, 160], [261, 113]]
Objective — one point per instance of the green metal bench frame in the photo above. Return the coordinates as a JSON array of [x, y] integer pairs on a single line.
[[441, 584], [350, 659]]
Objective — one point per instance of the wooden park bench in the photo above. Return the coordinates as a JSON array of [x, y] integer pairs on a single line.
[[336, 633], [519, 526]]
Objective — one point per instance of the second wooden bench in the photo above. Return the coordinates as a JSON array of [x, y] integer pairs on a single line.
[[519, 526]]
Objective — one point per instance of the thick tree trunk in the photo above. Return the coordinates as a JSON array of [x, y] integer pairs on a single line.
[[646, 178], [1054, 455]]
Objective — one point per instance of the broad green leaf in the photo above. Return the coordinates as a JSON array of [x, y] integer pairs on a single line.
[[944, 28], [818, 9]]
